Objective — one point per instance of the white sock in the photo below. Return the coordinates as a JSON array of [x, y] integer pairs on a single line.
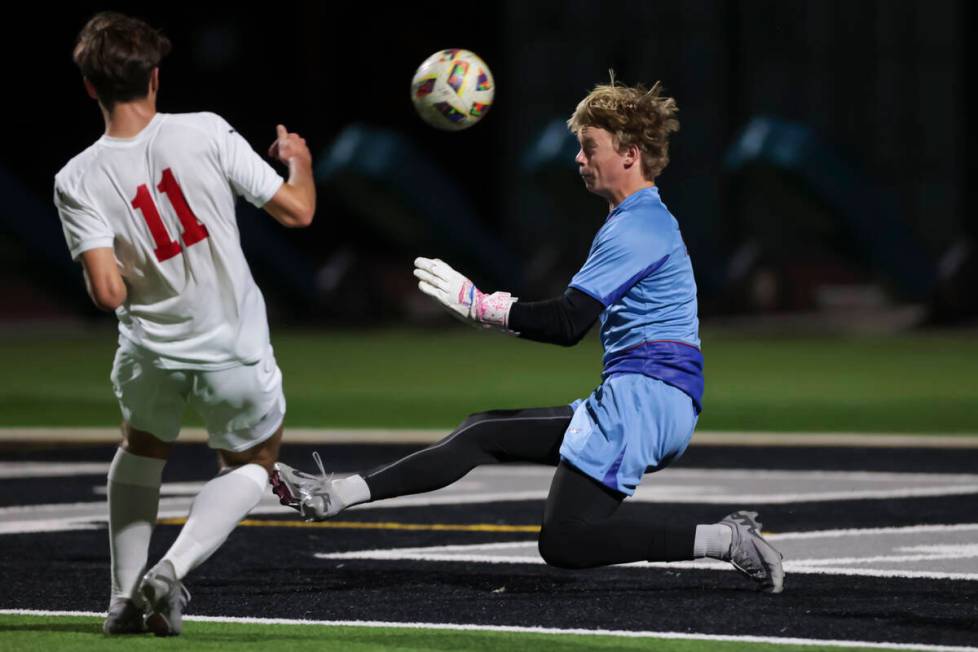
[[352, 490], [216, 511], [712, 541], [133, 489]]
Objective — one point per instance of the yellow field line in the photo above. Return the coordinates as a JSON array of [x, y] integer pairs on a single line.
[[383, 525]]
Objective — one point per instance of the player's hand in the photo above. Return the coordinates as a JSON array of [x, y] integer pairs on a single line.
[[288, 146], [460, 296]]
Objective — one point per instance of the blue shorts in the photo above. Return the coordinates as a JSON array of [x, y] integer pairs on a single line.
[[631, 424]]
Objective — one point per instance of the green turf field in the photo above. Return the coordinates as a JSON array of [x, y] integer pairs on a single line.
[[922, 383], [44, 633]]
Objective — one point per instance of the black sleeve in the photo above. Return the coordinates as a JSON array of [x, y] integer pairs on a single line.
[[563, 320]]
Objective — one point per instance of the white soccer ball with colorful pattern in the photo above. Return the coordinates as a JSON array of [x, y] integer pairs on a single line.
[[452, 89]]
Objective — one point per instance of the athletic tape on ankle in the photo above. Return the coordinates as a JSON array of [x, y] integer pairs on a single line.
[[136, 470]]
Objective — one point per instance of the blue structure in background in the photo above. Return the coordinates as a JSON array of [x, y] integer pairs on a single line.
[[279, 266], [573, 218], [553, 150], [403, 199], [870, 217], [394, 187], [563, 218]]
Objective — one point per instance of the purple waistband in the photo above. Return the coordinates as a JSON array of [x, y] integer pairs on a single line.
[[676, 363]]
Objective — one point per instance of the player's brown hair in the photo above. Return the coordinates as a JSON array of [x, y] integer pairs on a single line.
[[117, 54], [634, 115]]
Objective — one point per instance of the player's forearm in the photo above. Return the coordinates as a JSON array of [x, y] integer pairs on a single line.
[[103, 280], [295, 202], [300, 178], [303, 191], [106, 293], [564, 320]]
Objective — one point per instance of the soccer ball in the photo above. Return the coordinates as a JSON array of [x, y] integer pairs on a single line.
[[452, 89]]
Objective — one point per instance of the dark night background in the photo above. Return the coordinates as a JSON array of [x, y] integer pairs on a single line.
[[862, 201]]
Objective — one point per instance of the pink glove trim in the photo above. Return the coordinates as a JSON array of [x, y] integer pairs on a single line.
[[492, 308]]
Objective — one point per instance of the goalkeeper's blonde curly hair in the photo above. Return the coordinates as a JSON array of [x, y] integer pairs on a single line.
[[634, 115]]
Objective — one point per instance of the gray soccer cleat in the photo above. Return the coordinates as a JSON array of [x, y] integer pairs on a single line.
[[166, 597], [123, 617], [751, 554], [310, 495]]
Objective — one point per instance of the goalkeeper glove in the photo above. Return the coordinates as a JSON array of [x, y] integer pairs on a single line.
[[460, 296]]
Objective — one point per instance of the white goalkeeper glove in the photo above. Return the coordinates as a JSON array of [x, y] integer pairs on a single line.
[[460, 296]]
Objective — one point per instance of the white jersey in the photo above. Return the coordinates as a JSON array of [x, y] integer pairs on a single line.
[[164, 201]]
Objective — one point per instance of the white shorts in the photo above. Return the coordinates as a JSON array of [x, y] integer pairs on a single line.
[[241, 406]]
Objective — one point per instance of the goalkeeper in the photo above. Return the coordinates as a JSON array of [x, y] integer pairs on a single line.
[[638, 281]]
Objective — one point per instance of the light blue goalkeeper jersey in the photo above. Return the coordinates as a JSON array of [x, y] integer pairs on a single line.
[[639, 269]]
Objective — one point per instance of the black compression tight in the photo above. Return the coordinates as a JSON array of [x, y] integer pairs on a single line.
[[584, 524], [531, 435]]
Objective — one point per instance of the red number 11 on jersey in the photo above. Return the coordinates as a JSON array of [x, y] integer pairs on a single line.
[[193, 230]]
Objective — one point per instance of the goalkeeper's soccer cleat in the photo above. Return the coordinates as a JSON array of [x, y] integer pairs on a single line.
[[751, 554], [166, 597], [310, 495], [124, 617]]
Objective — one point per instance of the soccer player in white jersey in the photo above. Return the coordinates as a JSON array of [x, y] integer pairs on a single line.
[[638, 282], [148, 210]]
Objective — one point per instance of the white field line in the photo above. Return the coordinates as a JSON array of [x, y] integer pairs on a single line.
[[536, 470], [816, 497], [427, 436], [190, 490], [798, 569], [789, 567], [52, 525], [92, 511], [709, 493], [793, 475], [856, 532], [950, 552], [66, 517], [771, 640], [482, 553], [398, 555], [10, 470], [517, 496]]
